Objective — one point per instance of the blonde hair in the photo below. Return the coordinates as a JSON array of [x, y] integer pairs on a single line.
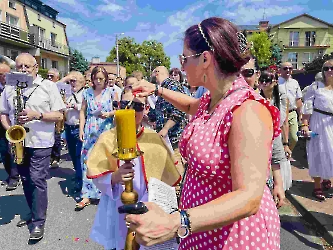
[[79, 77]]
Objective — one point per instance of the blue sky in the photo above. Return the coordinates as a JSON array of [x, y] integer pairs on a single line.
[[91, 24]]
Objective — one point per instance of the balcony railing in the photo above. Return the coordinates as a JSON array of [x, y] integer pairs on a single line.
[[14, 32], [48, 44], [303, 42]]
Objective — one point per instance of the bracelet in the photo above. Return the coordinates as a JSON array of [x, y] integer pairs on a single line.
[[286, 144], [189, 224]]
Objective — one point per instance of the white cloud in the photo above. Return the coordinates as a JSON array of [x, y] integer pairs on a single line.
[[73, 27], [248, 14], [108, 7], [142, 26], [75, 6], [158, 36]]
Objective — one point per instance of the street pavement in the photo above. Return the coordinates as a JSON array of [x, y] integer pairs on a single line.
[[68, 230]]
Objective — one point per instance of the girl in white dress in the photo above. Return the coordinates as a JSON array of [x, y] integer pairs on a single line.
[[318, 104]]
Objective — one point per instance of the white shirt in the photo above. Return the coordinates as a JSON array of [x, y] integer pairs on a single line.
[[44, 97], [292, 89], [116, 89], [73, 115]]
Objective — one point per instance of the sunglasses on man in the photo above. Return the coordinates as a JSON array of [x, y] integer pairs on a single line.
[[247, 72], [287, 68], [328, 68], [137, 106], [50, 76]]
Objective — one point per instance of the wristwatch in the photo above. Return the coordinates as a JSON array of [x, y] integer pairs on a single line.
[[183, 231], [40, 117]]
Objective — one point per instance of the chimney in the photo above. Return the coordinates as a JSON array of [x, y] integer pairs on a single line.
[[95, 60], [263, 25]]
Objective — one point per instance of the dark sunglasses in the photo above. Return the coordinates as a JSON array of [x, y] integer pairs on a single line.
[[50, 76], [287, 68], [265, 80], [328, 68], [137, 106], [247, 72]]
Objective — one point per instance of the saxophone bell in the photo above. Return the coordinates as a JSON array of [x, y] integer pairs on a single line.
[[16, 135]]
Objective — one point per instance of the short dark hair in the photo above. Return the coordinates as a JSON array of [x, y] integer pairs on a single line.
[[221, 34], [94, 73], [177, 71]]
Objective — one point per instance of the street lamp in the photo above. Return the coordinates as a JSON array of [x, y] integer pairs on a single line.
[[118, 69]]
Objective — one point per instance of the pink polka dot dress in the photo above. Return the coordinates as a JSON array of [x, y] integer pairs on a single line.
[[204, 145]]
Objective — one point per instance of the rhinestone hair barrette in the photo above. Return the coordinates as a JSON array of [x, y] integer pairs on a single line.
[[203, 35], [244, 45]]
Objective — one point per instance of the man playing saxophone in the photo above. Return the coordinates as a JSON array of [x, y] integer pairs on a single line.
[[42, 108]]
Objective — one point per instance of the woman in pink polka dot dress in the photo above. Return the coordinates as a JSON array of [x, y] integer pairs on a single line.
[[225, 203]]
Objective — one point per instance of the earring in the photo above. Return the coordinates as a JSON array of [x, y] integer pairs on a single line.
[[204, 78]]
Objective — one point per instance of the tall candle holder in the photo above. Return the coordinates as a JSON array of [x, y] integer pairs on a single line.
[[127, 151]]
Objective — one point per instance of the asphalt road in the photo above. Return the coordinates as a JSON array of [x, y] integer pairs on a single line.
[[67, 229]]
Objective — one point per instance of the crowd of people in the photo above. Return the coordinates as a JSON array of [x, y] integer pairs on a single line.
[[224, 135]]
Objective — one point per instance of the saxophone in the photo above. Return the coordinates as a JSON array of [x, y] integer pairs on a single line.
[[60, 125], [17, 133]]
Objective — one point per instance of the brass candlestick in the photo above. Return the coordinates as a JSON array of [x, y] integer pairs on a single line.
[[127, 151]]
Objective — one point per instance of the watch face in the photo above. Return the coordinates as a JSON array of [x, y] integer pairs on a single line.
[[183, 231]]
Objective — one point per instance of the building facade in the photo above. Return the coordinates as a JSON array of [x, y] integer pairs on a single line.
[[109, 67], [302, 38], [31, 26]]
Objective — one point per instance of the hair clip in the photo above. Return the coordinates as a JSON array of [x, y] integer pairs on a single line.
[[244, 45], [203, 35]]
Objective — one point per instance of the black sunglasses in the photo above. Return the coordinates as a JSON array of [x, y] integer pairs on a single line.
[[137, 106], [50, 76], [328, 68], [247, 72], [287, 68]]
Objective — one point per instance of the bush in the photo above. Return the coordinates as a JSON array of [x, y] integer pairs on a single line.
[[43, 72]]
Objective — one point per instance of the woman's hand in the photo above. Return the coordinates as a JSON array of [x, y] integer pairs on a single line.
[[146, 88], [81, 135], [287, 151], [155, 226], [105, 115], [279, 196]]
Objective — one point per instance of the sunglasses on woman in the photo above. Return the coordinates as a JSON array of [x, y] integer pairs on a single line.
[[137, 106], [328, 68], [247, 72]]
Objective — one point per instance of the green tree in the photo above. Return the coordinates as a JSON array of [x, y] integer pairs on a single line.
[[276, 55], [261, 48], [143, 57], [153, 55], [317, 63], [128, 51], [77, 61]]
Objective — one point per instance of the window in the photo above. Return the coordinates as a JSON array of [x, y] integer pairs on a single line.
[[41, 36], [12, 54], [294, 38], [12, 20], [308, 57], [292, 58], [11, 4], [43, 63], [53, 39], [310, 38], [39, 19], [54, 64], [34, 6]]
